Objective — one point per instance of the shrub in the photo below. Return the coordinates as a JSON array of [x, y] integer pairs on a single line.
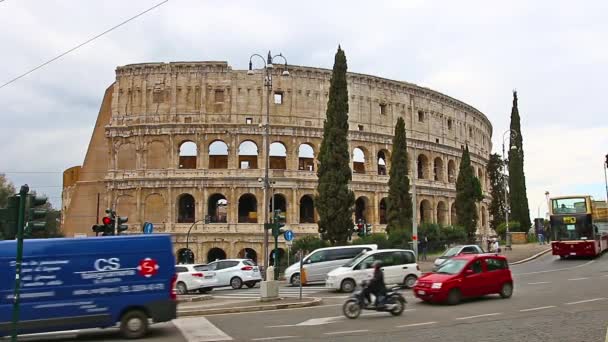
[[379, 239], [400, 239], [501, 230]]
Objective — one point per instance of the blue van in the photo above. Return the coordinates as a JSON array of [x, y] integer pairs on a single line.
[[80, 283]]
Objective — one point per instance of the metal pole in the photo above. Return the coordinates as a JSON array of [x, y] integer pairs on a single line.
[[606, 177], [504, 168], [415, 207], [301, 268], [268, 84], [20, 221]]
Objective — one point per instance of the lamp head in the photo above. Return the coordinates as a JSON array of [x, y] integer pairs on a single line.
[[250, 71], [285, 73]]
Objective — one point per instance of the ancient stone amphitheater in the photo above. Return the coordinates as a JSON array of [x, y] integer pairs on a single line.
[[182, 143]]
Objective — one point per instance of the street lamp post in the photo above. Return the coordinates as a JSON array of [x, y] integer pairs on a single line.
[[268, 67], [512, 136]]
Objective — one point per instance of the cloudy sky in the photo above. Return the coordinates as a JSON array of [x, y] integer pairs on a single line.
[[553, 52]]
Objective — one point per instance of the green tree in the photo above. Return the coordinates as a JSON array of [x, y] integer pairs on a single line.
[[520, 211], [335, 200], [467, 194], [7, 189], [497, 191], [399, 202]]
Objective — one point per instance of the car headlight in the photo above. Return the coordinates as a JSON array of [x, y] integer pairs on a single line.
[[436, 285]]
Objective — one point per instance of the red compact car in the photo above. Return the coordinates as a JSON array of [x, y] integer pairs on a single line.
[[466, 276]]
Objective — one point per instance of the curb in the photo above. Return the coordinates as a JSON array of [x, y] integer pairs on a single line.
[[531, 258], [191, 299], [252, 308]]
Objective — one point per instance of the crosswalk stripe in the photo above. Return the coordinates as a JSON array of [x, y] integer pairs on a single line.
[[199, 329]]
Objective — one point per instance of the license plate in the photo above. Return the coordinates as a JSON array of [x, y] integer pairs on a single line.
[[255, 269], [208, 277], [572, 253], [421, 292]]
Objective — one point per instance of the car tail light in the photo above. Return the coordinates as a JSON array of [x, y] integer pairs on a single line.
[[172, 293], [247, 268], [200, 275]]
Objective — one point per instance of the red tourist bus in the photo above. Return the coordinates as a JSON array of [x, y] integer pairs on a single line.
[[579, 226]]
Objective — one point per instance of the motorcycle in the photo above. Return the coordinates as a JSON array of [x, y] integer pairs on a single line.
[[393, 302]]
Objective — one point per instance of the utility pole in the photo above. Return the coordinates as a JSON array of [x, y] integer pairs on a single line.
[[20, 222]]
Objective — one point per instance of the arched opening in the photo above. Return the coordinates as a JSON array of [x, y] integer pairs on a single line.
[[438, 170], [278, 202], [278, 156], [358, 160], [382, 207], [282, 257], [185, 209], [453, 217], [361, 209], [425, 212], [187, 155], [248, 209], [451, 171], [218, 155], [185, 256], [480, 176], [306, 158], [423, 167], [382, 162], [217, 209], [442, 213], [216, 254], [248, 253], [248, 155], [307, 209]]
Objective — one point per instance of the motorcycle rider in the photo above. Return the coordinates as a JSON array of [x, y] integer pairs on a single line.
[[376, 285]]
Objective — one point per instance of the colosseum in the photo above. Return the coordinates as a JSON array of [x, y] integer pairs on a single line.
[[182, 145]]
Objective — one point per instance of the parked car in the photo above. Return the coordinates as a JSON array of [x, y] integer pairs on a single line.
[[323, 260], [235, 272], [190, 277], [398, 266], [454, 251], [464, 276]]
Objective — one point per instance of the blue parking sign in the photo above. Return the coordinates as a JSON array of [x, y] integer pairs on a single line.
[[288, 235], [148, 228]]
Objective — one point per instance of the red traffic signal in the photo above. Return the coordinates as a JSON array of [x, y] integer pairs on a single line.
[[106, 220]]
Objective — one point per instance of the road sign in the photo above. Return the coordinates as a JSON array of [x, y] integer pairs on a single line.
[[289, 243], [148, 228], [288, 235]]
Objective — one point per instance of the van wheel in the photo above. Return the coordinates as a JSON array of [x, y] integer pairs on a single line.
[[348, 285], [454, 297], [236, 283], [134, 324], [181, 288], [409, 281], [507, 290], [295, 279]]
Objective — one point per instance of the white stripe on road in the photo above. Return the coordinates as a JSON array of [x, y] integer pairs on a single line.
[[477, 316], [578, 278], [200, 329], [538, 308], [346, 332], [586, 301], [559, 269], [273, 338], [415, 324], [281, 310], [540, 282]]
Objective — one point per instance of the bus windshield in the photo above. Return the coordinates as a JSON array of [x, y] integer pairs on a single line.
[[578, 229], [574, 205]]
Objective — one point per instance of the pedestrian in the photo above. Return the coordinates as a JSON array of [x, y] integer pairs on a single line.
[[495, 246], [423, 244]]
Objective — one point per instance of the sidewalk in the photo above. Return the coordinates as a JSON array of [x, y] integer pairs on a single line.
[[518, 253]]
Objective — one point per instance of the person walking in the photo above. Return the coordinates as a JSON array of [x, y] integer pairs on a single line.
[[423, 245]]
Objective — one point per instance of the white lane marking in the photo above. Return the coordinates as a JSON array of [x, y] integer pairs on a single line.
[[200, 329], [327, 320], [559, 269], [415, 324], [605, 275], [586, 301], [540, 282], [273, 338], [579, 278], [477, 316], [346, 332], [538, 308], [280, 310]]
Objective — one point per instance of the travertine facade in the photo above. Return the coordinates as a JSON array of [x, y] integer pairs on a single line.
[[175, 143]]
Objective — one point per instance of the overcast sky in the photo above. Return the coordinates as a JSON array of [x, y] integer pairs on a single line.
[[553, 52]]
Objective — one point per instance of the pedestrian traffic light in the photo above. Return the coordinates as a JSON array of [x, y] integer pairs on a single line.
[[120, 226], [360, 228], [368, 229], [108, 223], [36, 212], [279, 223], [98, 228], [8, 218]]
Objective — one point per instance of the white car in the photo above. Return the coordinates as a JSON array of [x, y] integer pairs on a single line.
[[235, 272], [398, 266], [194, 277], [454, 251]]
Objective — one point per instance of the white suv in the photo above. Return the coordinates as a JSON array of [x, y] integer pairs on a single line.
[[194, 277], [235, 272]]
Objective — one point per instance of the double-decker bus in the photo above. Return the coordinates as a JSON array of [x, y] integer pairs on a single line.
[[579, 226]]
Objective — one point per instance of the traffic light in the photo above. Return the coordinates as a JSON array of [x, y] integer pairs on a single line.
[[607, 160], [35, 213], [120, 226], [279, 223], [360, 228], [8, 218], [368, 229], [108, 223], [98, 228]]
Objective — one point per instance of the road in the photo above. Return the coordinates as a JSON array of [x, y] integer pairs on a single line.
[[554, 300]]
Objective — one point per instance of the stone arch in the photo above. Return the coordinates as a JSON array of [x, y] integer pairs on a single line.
[[453, 216], [438, 170], [442, 213], [186, 208], [306, 157], [362, 209], [248, 209], [155, 209], [278, 202], [248, 155], [382, 210], [126, 159], [480, 177], [282, 257], [359, 160], [422, 167], [218, 155], [156, 155], [382, 160], [451, 171], [426, 212], [127, 206], [216, 254], [278, 156], [188, 152], [307, 209], [248, 253], [217, 208]]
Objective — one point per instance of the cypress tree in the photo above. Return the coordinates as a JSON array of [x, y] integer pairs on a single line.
[[518, 199], [399, 202], [335, 201], [467, 194], [497, 184]]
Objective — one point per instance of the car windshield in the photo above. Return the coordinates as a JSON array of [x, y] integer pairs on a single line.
[[452, 266], [451, 252], [356, 259]]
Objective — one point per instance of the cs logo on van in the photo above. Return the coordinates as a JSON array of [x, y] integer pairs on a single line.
[[147, 267]]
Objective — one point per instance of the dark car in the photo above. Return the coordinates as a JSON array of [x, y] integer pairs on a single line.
[[454, 251]]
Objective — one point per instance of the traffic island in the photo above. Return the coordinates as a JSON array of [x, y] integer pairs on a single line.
[[247, 306]]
